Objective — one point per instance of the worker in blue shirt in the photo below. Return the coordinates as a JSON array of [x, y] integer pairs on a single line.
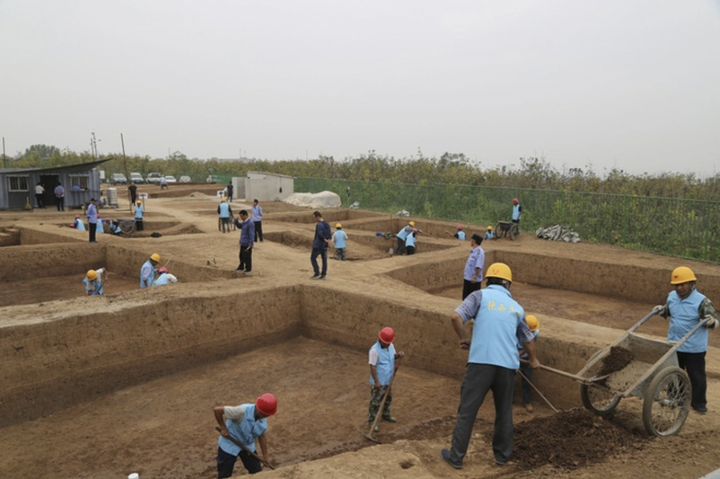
[[247, 239], [243, 424], [459, 234], [517, 211], [473, 273], [139, 215], [147, 272], [402, 236], [94, 281], [257, 219], [79, 225], [225, 213], [381, 359], [320, 246], [534, 325], [410, 241], [686, 307], [492, 362], [92, 216], [339, 240], [489, 233]]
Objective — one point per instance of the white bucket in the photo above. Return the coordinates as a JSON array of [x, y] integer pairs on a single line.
[[134, 475]]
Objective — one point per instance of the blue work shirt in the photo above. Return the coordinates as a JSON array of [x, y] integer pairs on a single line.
[[499, 327], [339, 239], [94, 287], [247, 232], [138, 212], [100, 228], [79, 225], [161, 280], [489, 235], [224, 210], [385, 366], [410, 240], [522, 346], [256, 213], [403, 233], [684, 315], [91, 213], [517, 210], [460, 235], [147, 274], [322, 233], [476, 259], [245, 431]]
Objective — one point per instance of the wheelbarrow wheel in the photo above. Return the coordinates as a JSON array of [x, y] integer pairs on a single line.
[[667, 402], [514, 231], [127, 227], [597, 398]]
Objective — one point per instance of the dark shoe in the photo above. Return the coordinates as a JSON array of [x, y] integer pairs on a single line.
[[389, 419], [315, 276], [239, 268], [445, 453], [700, 409], [500, 462], [322, 276]]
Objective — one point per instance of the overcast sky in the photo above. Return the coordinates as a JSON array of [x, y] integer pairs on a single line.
[[608, 83]]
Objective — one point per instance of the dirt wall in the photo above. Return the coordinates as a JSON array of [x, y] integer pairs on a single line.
[[434, 277], [21, 263], [331, 216], [51, 364], [30, 236]]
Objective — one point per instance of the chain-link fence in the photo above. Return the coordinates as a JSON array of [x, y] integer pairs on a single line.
[[676, 227]]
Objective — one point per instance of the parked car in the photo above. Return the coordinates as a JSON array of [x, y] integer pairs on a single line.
[[136, 178], [118, 179], [185, 179], [170, 179], [154, 177]]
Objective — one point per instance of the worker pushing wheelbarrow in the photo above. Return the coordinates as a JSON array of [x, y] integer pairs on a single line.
[[637, 366]]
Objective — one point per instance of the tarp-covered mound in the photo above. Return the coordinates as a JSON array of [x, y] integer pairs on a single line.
[[324, 199], [558, 233]]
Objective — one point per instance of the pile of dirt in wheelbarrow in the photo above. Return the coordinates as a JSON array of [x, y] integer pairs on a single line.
[[615, 361], [571, 440]]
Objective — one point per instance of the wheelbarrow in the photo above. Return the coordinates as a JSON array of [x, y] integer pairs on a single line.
[[653, 375], [506, 229]]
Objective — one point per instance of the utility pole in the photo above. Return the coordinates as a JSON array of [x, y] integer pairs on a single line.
[[122, 142], [93, 146], [5, 160]]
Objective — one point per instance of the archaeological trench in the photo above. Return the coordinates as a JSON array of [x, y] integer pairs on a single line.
[[126, 383]]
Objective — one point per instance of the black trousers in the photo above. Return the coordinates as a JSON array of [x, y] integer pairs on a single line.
[[226, 463], [400, 246], [38, 199], [245, 259], [92, 227], [410, 250], [258, 230], [61, 204], [470, 287], [694, 364], [139, 225]]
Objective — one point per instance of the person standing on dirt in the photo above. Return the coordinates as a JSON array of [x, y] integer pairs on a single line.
[[685, 307], [147, 272], [60, 196], [534, 325], [382, 357], [39, 192], [340, 242], [92, 215], [243, 424], [320, 246], [492, 362], [402, 236], [230, 188], [225, 213], [133, 192], [257, 219], [163, 183], [94, 281], [516, 212], [473, 273], [247, 239], [139, 216]]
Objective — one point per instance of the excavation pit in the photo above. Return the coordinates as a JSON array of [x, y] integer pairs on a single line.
[[331, 216]]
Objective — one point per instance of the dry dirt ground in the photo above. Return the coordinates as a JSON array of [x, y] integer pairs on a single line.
[[164, 428]]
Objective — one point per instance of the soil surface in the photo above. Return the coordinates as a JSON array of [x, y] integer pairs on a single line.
[[164, 428], [616, 360]]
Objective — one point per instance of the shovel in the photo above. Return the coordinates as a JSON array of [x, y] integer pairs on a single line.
[[380, 409], [237, 443], [571, 376]]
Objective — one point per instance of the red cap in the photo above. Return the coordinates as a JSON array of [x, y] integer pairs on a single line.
[[267, 404], [387, 335]]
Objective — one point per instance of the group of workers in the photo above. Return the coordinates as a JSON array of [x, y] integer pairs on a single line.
[[150, 275]]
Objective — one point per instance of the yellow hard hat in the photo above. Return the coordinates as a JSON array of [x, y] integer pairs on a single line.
[[338, 225], [681, 275], [223, 200], [91, 275], [138, 202], [155, 257], [499, 270], [532, 322], [412, 223], [489, 228]]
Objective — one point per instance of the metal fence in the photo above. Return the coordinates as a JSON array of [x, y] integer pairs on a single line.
[[671, 226]]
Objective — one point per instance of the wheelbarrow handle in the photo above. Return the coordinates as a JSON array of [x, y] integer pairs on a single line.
[[567, 375]]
